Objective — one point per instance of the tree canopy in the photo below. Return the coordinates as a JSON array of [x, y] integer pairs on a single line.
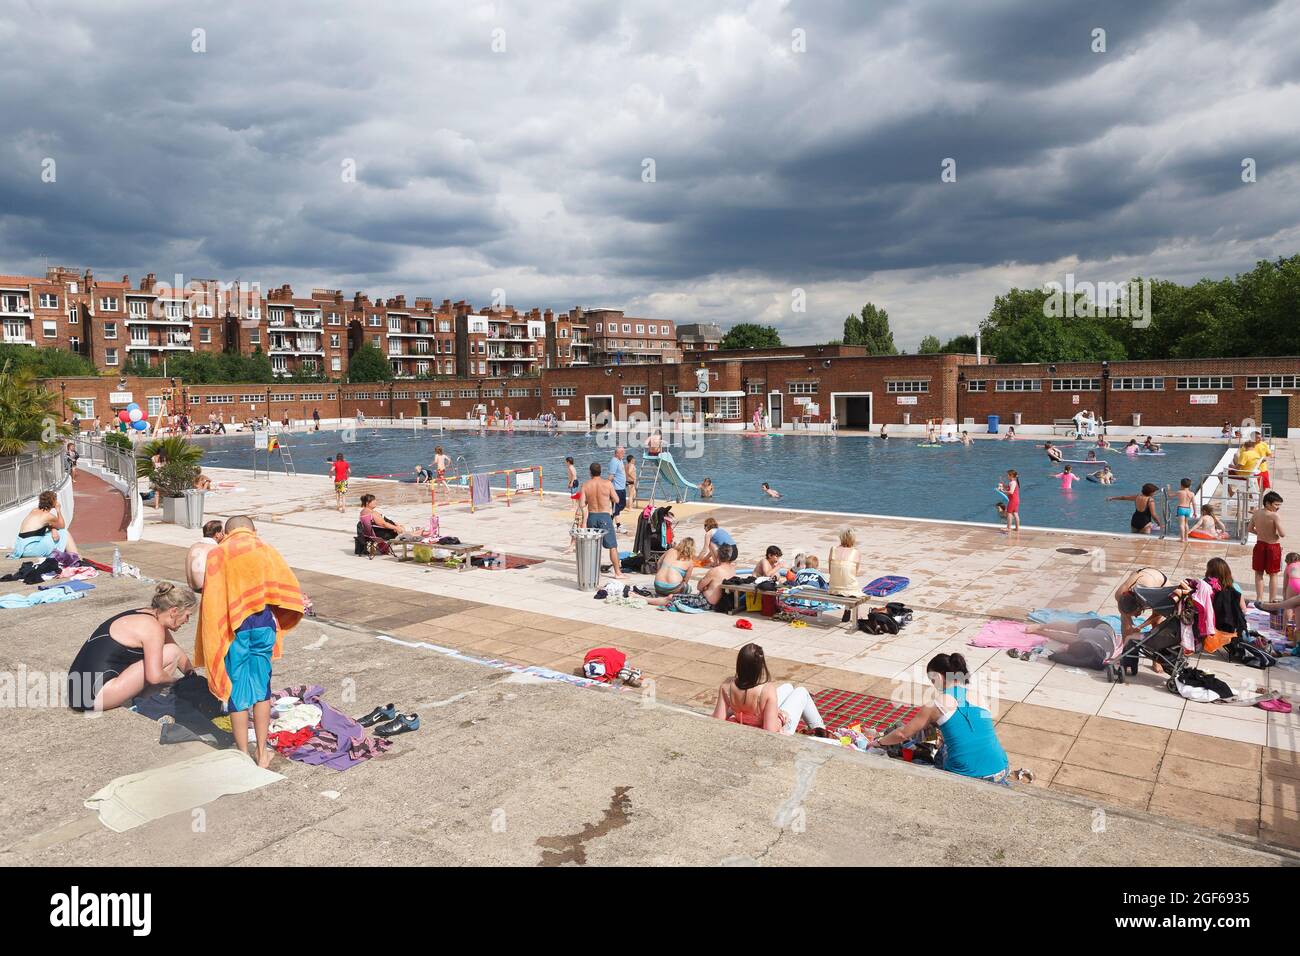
[[369, 365], [747, 335], [870, 328], [45, 362]]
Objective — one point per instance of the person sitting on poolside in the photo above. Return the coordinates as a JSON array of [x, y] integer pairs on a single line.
[[381, 526], [770, 491], [132, 651], [706, 488], [1053, 452], [1011, 433], [714, 536], [970, 740], [203, 482], [675, 568], [749, 698], [770, 564], [884, 435], [708, 597], [43, 531], [1209, 524]]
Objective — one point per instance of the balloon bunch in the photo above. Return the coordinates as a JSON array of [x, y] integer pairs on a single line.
[[133, 417]]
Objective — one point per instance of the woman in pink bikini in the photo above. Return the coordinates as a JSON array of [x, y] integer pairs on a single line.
[[750, 698]]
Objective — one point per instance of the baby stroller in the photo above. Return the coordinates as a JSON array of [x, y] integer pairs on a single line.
[[1163, 644], [654, 536]]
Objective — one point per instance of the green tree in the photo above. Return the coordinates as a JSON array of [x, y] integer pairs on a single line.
[[1021, 327], [929, 346], [46, 362], [28, 413], [959, 345], [369, 365], [747, 335], [870, 328]]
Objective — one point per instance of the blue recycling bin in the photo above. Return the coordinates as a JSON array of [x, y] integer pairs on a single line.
[[993, 424]]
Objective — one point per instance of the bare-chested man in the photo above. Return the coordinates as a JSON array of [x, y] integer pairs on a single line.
[[599, 498], [196, 559], [708, 595]]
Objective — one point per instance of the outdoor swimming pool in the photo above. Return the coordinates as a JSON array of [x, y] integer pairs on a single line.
[[851, 474]]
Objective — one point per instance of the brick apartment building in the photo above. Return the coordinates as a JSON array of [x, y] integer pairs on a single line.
[[619, 339]]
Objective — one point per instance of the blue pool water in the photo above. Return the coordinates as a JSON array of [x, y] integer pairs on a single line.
[[851, 474]]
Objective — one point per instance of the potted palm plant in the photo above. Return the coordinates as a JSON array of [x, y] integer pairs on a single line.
[[172, 466]]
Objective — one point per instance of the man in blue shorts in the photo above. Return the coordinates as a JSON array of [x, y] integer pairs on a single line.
[[618, 478], [599, 498]]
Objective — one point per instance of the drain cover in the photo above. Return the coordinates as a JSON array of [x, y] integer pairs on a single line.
[[1072, 550]]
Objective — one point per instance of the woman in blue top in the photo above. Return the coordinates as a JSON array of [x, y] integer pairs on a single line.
[[714, 537], [970, 742]]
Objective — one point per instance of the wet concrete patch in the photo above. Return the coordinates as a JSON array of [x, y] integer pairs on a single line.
[[571, 848]]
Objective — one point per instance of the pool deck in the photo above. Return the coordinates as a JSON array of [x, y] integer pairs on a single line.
[[1231, 769]]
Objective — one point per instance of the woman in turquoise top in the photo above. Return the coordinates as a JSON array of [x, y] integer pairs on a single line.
[[970, 742]]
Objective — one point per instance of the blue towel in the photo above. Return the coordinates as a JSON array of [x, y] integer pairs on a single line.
[[40, 547], [71, 585], [52, 596]]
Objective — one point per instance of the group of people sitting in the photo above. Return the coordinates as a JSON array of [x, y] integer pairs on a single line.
[[970, 745]]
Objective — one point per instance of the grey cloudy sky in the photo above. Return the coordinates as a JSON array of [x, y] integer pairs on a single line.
[[776, 169]]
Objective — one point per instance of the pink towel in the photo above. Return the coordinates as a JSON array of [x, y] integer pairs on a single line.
[[1006, 634]]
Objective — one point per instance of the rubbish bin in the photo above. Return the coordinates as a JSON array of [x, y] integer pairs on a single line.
[[907, 418], [993, 424], [1137, 419], [194, 508], [586, 546], [1016, 416]]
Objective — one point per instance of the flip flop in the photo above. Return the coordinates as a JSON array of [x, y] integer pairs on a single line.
[[404, 724], [387, 712]]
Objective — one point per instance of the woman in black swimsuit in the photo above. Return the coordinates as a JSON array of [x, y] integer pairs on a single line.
[[131, 651], [1144, 519]]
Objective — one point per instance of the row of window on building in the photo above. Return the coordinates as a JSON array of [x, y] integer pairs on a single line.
[[1149, 383]]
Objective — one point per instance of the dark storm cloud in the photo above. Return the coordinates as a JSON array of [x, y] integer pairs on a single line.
[[522, 169]]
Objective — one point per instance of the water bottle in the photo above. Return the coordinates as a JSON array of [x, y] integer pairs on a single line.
[[117, 563]]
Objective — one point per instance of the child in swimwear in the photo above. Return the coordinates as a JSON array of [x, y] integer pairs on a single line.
[[1053, 452], [1150, 446], [1011, 433], [770, 491], [1103, 477], [1092, 456], [1132, 448], [1209, 524], [1068, 478], [1101, 442], [1186, 502], [1011, 488], [1291, 587]]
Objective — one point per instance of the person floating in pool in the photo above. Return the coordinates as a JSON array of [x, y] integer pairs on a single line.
[[1103, 477], [706, 488], [1149, 446], [1053, 452], [770, 491], [1068, 478], [1010, 490], [1209, 526]]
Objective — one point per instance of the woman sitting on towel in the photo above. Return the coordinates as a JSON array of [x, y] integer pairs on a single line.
[[43, 531], [675, 568], [131, 651], [381, 526], [752, 700], [970, 742]]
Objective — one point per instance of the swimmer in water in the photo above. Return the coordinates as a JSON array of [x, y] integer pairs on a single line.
[[966, 439], [1102, 443], [1209, 524], [884, 435], [706, 488], [1011, 433], [1068, 478], [1149, 445], [1053, 452], [1092, 456], [770, 491], [1103, 477], [1132, 448]]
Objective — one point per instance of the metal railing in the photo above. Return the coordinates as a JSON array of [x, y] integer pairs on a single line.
[[115, 461], [1234, 509], [24, 477]]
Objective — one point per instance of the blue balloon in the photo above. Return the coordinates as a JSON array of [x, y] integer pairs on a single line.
[[132, 406], [140, 426]]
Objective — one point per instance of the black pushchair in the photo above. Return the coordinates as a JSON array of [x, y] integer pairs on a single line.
[[654, 536], [1163, 644]]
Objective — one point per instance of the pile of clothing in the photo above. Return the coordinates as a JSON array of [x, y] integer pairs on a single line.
[[65, 572], [306, 729]]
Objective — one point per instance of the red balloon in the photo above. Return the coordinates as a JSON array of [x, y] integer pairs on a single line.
[[124, 415]]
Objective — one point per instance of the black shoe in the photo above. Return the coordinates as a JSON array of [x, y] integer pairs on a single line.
[[387, 712], [404, 724]]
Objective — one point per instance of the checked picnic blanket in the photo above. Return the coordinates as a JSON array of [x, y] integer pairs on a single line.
[[841, 708]]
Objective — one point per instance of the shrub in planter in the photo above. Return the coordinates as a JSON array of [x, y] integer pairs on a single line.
[[178, 468]]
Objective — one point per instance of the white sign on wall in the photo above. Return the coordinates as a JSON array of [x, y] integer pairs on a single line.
[[812, 408], [445, 404], [1075, 399], [120, 398], [563, 402], [1205, 399], [801, 399], [633, 401], [907, 399]]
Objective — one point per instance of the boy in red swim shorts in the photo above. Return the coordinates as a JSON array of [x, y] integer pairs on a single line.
[[1267, 558]]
